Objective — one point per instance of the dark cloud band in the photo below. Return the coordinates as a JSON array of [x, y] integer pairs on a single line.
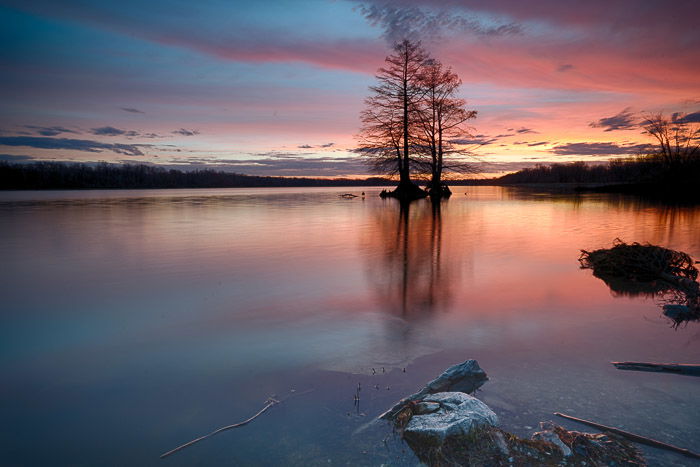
[[599, 149], [71, 144]]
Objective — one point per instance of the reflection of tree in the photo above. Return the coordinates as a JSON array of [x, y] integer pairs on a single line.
[[410, 272]]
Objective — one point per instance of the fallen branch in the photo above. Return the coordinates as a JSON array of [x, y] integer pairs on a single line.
[[680, 369], [633, 437], [269, 403]]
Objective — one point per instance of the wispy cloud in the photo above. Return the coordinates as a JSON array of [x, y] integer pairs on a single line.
[[71, 144], [480, 140], [132, 110], [686, 118], [287, 164], [185, 132], [399, 22], [111, 131], [14, 158], [624, 120], [50, 130], [322, 146], [524, 130], [595, 149]]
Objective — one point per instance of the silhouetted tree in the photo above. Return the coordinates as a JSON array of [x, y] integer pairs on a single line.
[[441, 118], [678, 138], [388, 127]]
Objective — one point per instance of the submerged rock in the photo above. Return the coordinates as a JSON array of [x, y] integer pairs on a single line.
[[457, 414], [464, 377]]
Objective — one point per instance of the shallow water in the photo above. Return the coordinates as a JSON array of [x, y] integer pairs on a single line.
[[134, 321]]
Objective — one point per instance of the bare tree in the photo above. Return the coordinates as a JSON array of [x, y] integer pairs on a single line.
[[678, 138], [381, 138], [442, 119], [387, 131]]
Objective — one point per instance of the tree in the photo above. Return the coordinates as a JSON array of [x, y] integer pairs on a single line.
[[388, 127], [382, 133], [441, 117], [678, 138]]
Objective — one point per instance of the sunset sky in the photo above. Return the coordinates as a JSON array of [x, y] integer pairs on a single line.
[[276, 87]]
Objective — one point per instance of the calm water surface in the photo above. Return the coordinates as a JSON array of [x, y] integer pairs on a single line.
[[134, 321]]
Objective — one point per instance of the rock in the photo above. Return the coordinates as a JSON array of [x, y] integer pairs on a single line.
[[422, 408], [458, 414], [443, 425], [548, 434], [464, 377]]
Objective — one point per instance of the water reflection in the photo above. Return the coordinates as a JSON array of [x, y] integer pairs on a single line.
[[157, 314], [645, 215], [413, 275]]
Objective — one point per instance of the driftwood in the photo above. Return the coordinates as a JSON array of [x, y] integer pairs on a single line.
[[677, 368], [269, 403], [633, 437]]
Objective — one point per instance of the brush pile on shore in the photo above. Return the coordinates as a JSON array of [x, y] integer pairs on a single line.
[[639, 262], [644, 269]]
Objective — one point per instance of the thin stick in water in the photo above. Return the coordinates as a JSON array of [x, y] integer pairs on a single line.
[[269, 403], [633, 437]]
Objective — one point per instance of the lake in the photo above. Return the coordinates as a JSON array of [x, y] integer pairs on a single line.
[[135, 320]]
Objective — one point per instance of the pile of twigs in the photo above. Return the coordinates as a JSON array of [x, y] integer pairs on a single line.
[[638, 262]]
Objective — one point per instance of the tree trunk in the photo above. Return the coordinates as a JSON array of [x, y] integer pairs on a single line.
[[405, 178]]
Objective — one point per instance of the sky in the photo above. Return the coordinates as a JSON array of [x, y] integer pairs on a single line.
[[276, 87]]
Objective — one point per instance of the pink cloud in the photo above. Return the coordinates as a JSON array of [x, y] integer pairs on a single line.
[[618, 45]]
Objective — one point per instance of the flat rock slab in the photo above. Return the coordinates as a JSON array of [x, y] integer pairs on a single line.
[[459, 414], [464, 377]]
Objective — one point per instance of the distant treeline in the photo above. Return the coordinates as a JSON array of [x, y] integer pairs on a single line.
[[58, 176], [640, 170]]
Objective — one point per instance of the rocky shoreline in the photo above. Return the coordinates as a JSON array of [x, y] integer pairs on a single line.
[[445, 425]]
